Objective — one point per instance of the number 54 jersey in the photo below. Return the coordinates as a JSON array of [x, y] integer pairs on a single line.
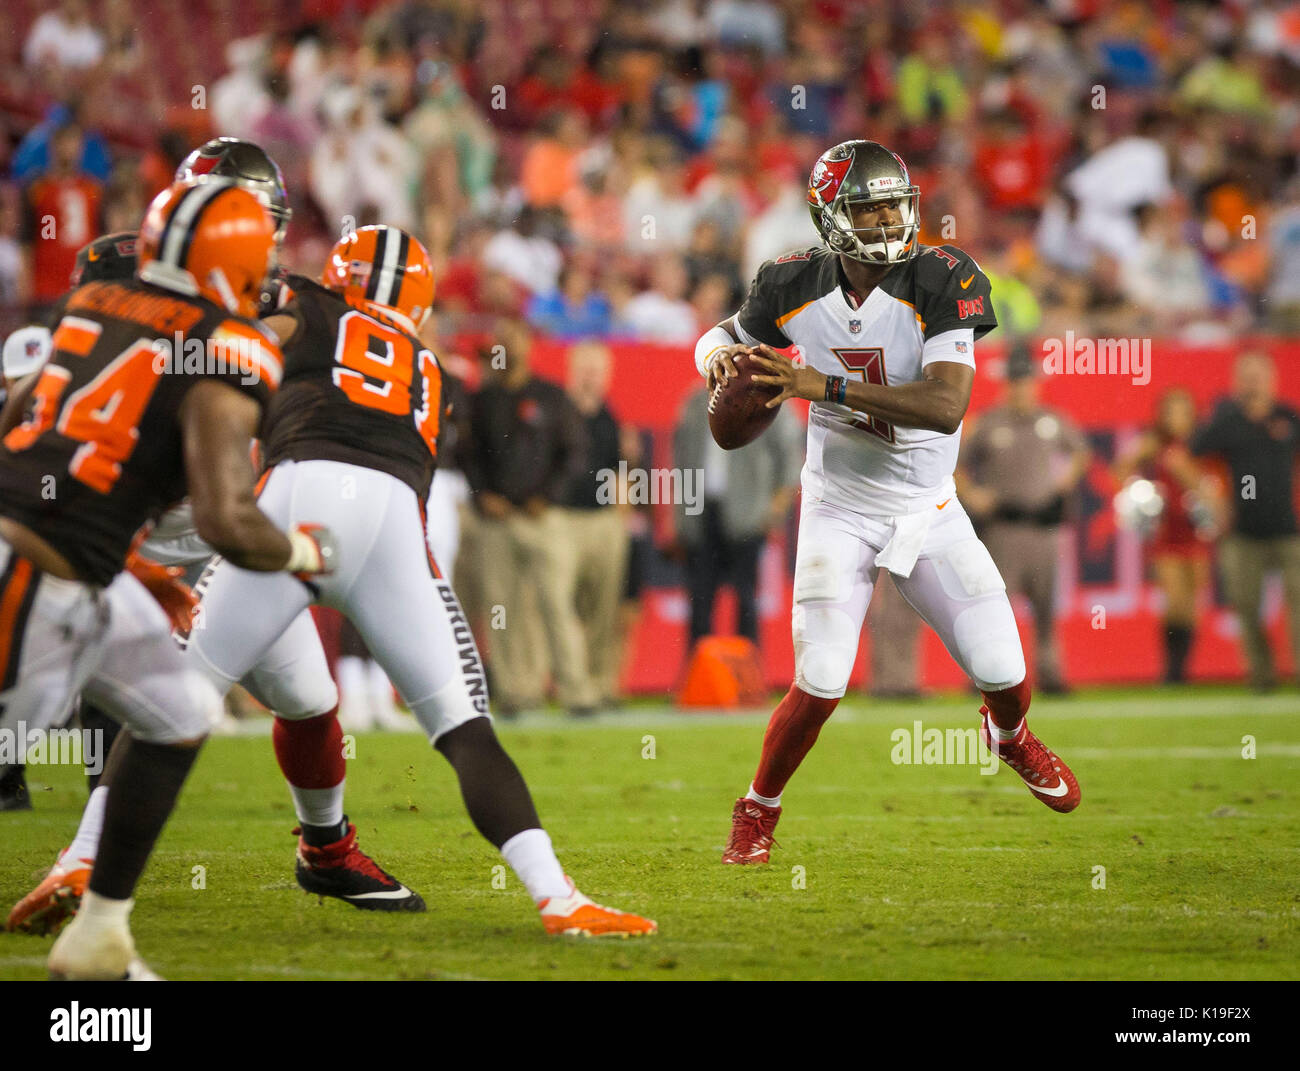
[[359, 388], [930, 308], [100, 451]]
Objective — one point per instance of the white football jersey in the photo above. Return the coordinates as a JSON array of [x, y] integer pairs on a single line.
[[931, 308]]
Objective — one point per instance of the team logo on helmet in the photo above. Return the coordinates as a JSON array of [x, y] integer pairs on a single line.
[[827, 175]]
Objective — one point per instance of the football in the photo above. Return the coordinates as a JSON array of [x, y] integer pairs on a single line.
[[738, 412]]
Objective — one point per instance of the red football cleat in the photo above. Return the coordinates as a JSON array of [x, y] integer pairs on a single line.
[[1044, 773], [752, 825]]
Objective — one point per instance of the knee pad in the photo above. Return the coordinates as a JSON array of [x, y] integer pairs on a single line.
[[825, 647], [967, 571], [988, 644], [185, 707], [294, 696]]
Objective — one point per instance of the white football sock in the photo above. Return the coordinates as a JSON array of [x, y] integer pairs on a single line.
[[318, 806], [85, 844], [101, 912], [1005, 736], [532, 858], [766, 801]]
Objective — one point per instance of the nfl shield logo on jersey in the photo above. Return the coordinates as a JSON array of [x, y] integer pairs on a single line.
[[855, 327]]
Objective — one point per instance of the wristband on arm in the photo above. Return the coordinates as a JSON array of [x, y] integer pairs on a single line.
[[713, 340]]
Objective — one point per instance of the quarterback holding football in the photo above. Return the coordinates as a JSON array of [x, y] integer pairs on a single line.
[[884, 331]]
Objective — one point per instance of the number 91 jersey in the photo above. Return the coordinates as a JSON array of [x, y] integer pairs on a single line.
[[358, 388], [930, 308]]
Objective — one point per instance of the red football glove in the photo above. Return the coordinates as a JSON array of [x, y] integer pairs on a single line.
[[313, 551], [167, 588]]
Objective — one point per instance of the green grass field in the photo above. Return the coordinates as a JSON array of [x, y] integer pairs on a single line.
[[884, 871]]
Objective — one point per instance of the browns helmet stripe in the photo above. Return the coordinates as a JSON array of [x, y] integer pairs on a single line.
[[178, 233], [381, 252], [385, 283], [399, 270]]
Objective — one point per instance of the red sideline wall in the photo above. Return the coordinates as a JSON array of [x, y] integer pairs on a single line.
[[650, 383]]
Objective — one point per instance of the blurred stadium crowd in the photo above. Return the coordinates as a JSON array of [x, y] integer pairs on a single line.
[[620, 169], [588, 170]]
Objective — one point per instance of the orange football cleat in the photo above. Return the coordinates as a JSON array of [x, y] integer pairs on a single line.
[[576, 916], [47, 907]]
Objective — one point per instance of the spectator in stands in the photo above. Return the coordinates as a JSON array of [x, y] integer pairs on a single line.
[[447, 125], [13, 265], [741, 497], [708, 256], [661, 313], [550, 168], [594, 548], [1165, 275], [62, 212], [32, 157], [658, 213], [1019, 468], [595, 211], [1258, 437], [711, 300], [526, 446], [930, 87], [575, 309], [362, 162], [782, 226], [739, 23], [1132, 170], [1283, 295], [524, 254], [64, 38]]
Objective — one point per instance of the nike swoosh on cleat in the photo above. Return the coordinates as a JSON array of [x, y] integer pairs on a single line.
[[396, 894], [1059, 789]]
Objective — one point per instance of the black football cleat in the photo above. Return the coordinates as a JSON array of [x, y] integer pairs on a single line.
[[344, 871]]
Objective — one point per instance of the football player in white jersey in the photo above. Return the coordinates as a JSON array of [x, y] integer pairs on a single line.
[[885, 331]]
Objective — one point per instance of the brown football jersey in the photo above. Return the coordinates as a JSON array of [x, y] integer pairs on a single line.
[[358, 388], [100, 452]]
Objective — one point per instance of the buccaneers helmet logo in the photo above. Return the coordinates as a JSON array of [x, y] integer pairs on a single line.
[[827, 175]]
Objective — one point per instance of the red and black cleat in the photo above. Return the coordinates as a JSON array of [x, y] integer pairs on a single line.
[[344, 871], [752, 826], [1045, 774]]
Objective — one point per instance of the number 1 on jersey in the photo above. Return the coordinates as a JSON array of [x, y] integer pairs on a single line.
[[870, 365]]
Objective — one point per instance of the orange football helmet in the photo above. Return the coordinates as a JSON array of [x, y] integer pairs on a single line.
[[384, 266], [212, 239]]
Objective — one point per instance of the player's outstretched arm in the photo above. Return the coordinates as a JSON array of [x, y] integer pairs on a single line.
[[936, 402], [217, 423]]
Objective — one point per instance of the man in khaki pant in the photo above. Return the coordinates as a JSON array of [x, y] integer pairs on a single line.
[[592, 555], [1259, 439], [526, 446]]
